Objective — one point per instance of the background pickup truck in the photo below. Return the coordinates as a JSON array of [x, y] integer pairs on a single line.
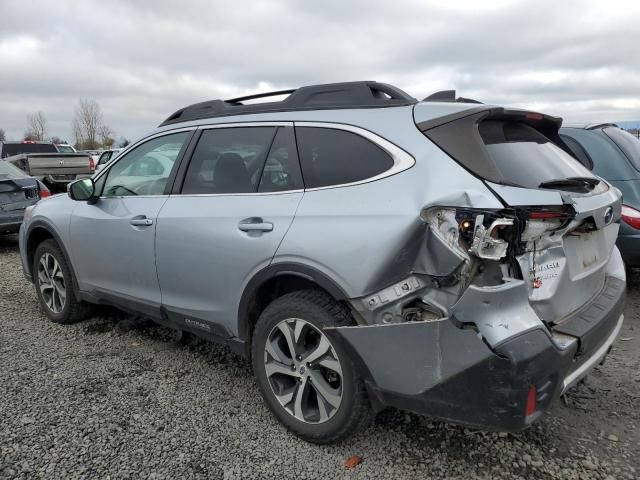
[[43, 161]]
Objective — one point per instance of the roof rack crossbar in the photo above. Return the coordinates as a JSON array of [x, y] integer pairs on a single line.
[[239, 100], [365, 94]]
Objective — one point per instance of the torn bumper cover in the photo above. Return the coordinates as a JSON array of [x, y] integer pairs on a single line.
[[438, 369]]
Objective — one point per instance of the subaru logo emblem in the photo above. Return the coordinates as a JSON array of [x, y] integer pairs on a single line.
[[608, 215]]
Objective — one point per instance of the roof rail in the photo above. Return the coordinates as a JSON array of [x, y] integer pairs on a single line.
[[448, 96], [365, 94], [600, 125]]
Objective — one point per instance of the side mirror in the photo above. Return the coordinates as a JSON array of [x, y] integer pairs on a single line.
[[82, 190]]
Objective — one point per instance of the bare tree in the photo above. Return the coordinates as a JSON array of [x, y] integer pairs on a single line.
[[37, 127], [107, 136], [87, 123], [3, 136]]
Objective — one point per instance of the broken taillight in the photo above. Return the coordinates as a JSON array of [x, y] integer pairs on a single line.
[[43, 191], [481, 232], [631, 216], [487, 242]]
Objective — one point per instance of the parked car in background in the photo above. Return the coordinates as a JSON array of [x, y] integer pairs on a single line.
[[17, 192], [613, 154], [95, 154], [362, 248], [106, 157], [43, 161], [65, 148]]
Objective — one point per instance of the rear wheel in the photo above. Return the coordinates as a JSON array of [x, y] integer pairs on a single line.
[[309, 383], [54, 285]]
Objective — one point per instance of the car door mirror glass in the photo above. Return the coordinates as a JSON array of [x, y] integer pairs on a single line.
[[82, 190]]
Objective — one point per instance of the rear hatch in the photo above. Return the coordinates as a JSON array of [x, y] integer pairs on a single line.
[[559, 223], [17, 191]]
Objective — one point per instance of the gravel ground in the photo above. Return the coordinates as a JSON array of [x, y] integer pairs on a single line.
[[111, 398]]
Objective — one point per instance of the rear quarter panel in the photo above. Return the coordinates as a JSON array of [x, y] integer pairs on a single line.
[[367, 236]]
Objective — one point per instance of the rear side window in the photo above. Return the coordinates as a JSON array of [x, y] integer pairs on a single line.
[[525, 157], [336, 157], [629, 144], [578, 151]]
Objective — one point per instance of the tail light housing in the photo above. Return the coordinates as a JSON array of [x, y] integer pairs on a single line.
[[532, 402], [43, 191], [92, 165], [631, 216]]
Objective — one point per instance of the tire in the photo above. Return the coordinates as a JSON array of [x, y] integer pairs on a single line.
[[315, 418], [59, 309]]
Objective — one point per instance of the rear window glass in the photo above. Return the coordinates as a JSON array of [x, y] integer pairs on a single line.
[[336, 157], [525, 157], [10, 172], [9, 149], [64, 149], [629, 144]]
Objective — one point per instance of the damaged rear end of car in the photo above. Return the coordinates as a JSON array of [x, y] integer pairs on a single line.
[[504, 308]]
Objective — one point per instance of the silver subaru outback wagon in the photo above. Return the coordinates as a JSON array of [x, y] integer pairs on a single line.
[[364, 249]]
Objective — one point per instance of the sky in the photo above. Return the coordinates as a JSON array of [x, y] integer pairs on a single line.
[[141, 60]]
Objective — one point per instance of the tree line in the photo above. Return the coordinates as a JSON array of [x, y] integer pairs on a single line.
[[90, 132]]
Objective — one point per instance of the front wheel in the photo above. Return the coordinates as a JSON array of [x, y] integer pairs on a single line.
[[308, 382], [54, 285]]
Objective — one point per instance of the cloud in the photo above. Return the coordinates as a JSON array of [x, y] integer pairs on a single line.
[[143, 60]]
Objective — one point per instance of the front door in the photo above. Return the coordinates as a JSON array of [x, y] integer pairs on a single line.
[[239, 196], [112, 240]]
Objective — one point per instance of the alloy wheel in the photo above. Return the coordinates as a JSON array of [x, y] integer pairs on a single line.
[[51, 283], [303, 370]]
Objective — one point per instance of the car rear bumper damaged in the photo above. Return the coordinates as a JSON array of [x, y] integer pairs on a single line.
[[457, 371]]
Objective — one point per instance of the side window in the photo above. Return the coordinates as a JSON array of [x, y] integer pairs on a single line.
[[335, 157], [228, 160], [578, 151], [104, 158], [145, 169], [281, 170]]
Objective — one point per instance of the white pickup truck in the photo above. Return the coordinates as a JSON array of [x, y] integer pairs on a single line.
[[43, 161]]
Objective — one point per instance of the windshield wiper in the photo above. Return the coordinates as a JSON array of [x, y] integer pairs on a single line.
[[574, 184]]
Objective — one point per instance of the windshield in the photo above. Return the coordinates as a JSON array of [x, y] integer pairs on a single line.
[[525, 157], [629, 144], [10, 149], [10, 172], [64, 149]]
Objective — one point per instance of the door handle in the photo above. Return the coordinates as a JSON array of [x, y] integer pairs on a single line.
[[141, 222], [255, 225]]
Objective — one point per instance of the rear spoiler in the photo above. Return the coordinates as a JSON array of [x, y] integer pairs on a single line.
[[539, 121]]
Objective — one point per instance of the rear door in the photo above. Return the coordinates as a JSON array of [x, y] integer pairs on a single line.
[[113, 239], [230, 212]]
